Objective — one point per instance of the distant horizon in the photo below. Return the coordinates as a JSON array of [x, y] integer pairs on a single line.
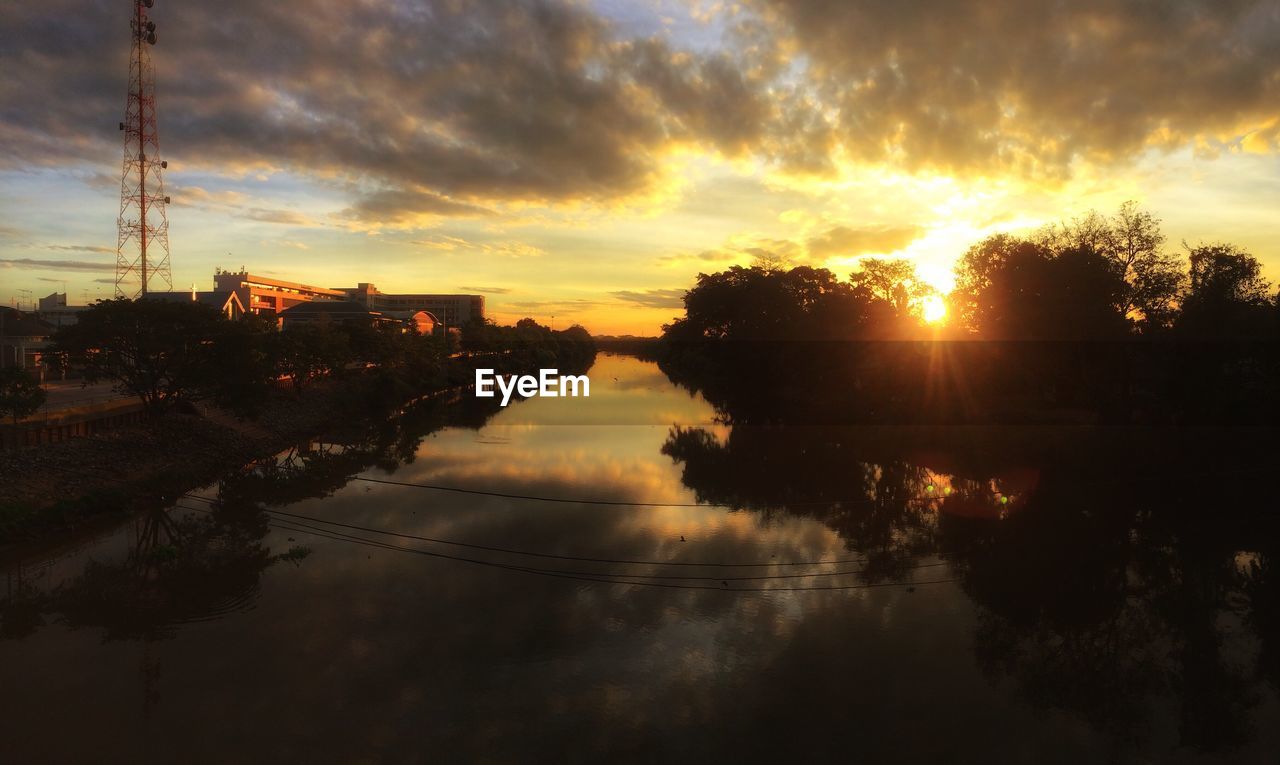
[[587, 160]]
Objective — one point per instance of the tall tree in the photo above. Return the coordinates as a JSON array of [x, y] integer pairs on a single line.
[[156, 350], [1227, 294]]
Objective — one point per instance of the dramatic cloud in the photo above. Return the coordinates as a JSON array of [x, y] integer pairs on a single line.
[[439, 107], [672, 298], [1031, 85], [57, 265], [423, 110]]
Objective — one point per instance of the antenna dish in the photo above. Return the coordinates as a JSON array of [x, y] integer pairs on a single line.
[[151, 38], [151, 26], [148, 3]]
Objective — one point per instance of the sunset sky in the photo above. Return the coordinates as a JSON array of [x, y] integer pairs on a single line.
[[587, 159]]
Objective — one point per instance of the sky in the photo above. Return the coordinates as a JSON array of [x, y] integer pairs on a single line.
[[586, 160]]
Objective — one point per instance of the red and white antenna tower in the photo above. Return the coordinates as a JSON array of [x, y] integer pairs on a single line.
[[142, 249]]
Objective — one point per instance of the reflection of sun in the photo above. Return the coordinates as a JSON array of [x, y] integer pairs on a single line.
[[934, 309]]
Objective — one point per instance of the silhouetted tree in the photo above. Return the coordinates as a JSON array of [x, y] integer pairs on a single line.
[[156, 350], [1227, 296], [894, 281], [308, 351], [20, 395], [1030, 293]]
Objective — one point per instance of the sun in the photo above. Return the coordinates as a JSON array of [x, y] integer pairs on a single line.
[[934, 309]]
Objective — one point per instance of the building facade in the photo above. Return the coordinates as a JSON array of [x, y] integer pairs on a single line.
[[54, 310], [23, 338], [450, 310], [264, 295]]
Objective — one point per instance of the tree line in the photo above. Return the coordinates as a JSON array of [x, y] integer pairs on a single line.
[[1095, 315], [166, 352]]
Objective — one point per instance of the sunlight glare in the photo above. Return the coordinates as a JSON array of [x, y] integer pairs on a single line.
[[935, 309]]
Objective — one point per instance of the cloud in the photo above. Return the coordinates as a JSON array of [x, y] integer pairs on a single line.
[[80, 248], [709, 256], [505, 249], [836, 241], [1030, 85], [529, 100], [658, 298], [575, 305], [404, 206], [487, 290], [56, 265], [846, 240], [291, 217], [235, 203], [443, 108]]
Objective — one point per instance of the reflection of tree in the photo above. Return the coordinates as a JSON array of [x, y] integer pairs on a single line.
[[320, 467], [179, 569], [1115, 606], [1109, 632], [876, 508]]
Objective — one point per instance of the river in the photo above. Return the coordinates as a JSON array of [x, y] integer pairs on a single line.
[[624, 578]]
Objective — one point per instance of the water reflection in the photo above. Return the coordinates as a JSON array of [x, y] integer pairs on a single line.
[[996, 604]]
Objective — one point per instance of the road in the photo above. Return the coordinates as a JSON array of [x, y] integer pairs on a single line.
[[66, 395]]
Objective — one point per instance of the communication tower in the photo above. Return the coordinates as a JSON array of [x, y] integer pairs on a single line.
[[142, 248]]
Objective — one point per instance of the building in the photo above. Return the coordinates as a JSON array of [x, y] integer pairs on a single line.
[[227, 303], [23, 337], [451, 310], [263, 295], [331, 312], [54, 310]]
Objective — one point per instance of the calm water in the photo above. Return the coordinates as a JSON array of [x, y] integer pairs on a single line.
[[971, 616]]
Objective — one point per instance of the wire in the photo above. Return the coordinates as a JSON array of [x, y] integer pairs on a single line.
[[622, 503], [586, 576], [555, 556]]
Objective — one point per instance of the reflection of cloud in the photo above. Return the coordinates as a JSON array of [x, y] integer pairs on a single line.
[[659, 298]]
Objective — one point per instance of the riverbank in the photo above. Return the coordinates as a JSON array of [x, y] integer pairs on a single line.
[[61, 486]]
